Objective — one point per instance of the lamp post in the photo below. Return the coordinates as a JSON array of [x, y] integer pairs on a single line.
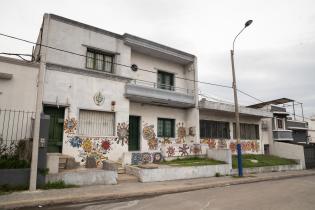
[[237, 116]]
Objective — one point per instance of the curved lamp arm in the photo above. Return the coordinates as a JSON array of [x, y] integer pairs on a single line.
[[246, 25]]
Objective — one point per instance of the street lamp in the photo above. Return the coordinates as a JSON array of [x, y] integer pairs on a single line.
[[237, 116]]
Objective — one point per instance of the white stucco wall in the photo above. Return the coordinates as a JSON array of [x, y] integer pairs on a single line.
[[76, 92], [18, 93], [311, 131]]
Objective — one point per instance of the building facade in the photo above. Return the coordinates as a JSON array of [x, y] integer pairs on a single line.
[[101, 107]]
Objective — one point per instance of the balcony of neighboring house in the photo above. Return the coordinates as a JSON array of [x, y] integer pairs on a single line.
[[297, 125], [159, 94], [282, 135]]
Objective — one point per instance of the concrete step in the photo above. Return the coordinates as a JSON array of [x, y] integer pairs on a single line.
[[121, 170], [127, 178]]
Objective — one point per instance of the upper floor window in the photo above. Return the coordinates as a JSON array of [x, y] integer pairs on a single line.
[[214, 129], [166, 127], [280, 123], [247, 131], [99, 61], [165, 80]]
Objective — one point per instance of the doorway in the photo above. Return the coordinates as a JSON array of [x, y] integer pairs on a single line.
[[56, 121], [134, 133]]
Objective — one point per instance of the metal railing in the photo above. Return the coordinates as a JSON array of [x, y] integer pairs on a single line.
[[15, 125], [162, 86]]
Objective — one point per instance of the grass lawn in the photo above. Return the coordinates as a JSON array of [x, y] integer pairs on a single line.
[[193, 161], [263, 160]]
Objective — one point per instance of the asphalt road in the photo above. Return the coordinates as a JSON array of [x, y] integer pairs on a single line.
[[295, 194]]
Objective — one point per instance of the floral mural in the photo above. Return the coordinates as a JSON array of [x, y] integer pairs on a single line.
[[181, 133], [211, 143], [195, 149], [170, 151], [183, 150], [122, 133], [150, 136], [146, 157], [91, 147], [70, 126]]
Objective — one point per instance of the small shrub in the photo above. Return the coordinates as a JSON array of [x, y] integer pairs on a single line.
[[217, 174], [57, 185], [11, 163]]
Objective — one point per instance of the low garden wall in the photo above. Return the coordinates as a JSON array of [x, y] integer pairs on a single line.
[[267, 169], [164, 173], [15, 177], [85, 177]]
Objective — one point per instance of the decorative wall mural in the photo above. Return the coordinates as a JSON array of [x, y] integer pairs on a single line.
[[99, 98], [75, 141], [170, 151], [211, 143], [247, 146], [91, 147], [181, 133], [195, 149], [122, 133], [192, 131], [157, 157], [183, 150], [70, 125], [149, 135], [222, 144], [166, 140], [146, 157]]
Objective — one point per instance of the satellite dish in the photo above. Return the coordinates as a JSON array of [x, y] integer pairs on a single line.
[[134, 67]]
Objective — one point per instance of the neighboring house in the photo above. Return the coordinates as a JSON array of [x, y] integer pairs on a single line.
[[100, 107], [311, 131], [18, 91], [217, 127]]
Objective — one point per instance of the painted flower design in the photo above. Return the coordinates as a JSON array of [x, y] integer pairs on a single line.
[[87, 145], [170, 151], [122, 133], [106, 145], [75, 142], [148, 132]]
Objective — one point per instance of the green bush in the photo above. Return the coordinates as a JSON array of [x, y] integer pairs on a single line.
[[57, 185], [11, 163]]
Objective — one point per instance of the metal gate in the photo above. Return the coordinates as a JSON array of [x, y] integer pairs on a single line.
[[309, 153]]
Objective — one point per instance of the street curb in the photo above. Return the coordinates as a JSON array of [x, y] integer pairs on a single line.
[[155, 192]]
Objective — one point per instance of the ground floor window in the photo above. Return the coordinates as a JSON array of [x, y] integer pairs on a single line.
[[214, 129], [247, 131], [166, 127], [96, 123]]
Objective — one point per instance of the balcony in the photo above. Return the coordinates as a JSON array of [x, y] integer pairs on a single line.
[[282, 135], [297, 125], [157, 94]]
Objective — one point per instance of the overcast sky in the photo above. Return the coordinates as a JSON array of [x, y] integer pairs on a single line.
[[274, 57]]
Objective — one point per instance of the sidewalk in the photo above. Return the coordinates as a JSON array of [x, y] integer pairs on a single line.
[[132, 190]]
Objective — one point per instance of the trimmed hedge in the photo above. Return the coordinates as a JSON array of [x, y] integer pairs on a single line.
[[12, 163]]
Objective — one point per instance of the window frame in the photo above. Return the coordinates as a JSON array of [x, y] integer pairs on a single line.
[[81, 133], [104, 54], [161, 85], [245, 133], [164, 131], [282, 123], [214, 129]]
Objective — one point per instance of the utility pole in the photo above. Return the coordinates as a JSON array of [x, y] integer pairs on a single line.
[[237, 116], [39, 104]]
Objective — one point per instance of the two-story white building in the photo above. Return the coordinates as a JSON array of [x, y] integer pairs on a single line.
[[101, 107]]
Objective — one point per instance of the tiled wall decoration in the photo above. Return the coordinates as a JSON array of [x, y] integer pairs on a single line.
[[122, 133], [145, 157]]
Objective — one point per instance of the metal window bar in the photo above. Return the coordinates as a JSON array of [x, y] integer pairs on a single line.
[[15, 125]]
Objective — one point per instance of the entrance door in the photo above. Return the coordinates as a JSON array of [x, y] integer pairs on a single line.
[[55, 128], [134, 133]]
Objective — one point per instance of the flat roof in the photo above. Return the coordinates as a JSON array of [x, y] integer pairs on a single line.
[[274, 102]]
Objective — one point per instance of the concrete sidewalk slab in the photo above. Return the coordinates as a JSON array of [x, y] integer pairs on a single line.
[[132, 190]]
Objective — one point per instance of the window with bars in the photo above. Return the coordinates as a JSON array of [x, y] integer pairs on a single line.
[[166, 127], [99, 61], [96, 123], [214, 129], [247, 131]]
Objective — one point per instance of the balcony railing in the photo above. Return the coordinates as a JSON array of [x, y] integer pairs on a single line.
[[159, 94], [297, 125], [162, 86], [284, 135]]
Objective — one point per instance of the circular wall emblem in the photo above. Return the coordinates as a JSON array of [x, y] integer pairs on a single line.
[[99, 98]]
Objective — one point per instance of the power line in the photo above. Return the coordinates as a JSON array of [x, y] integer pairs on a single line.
[[127, 66]]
